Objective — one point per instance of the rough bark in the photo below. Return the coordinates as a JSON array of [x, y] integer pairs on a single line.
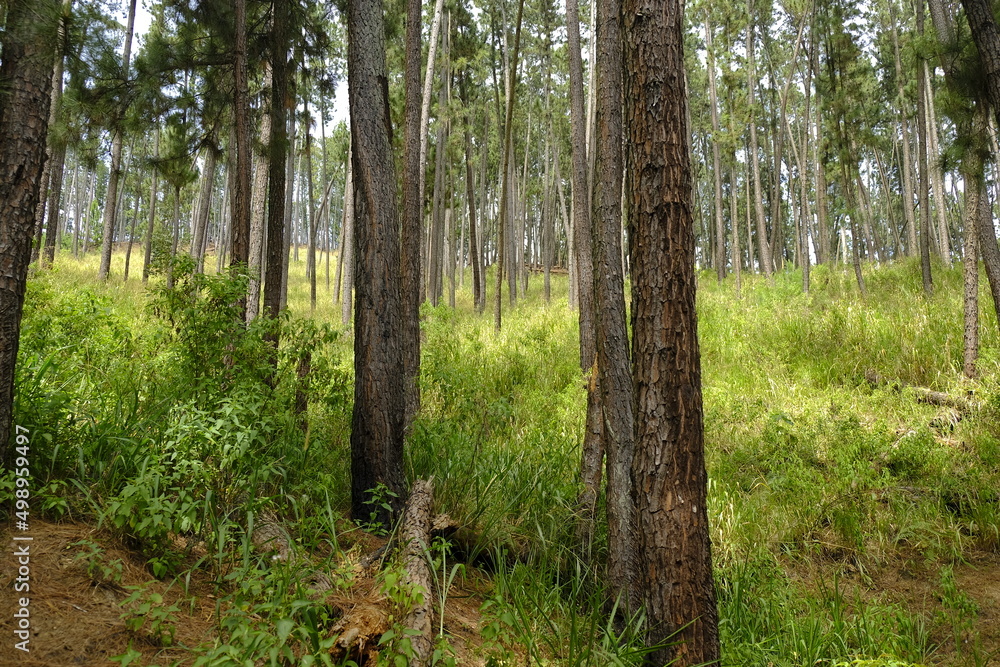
[[412, 210], [613, 362], [986, 35], [277, 153], [25, 80], [111, 201], [258, 203], [379, 401], [56, 146], [970, 301], [204, 207], [669, 466], [148, 239], [240, 204]]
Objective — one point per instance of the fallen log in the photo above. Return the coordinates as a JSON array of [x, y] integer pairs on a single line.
[[923, 394], [415, 538]]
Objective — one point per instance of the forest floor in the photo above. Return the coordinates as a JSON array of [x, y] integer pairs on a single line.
[[84, 609], [853, 523]]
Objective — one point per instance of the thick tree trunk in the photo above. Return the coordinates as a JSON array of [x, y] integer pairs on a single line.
[[412, 212], [669, 467], [289, 193], [277, 153], [613, 362], [111, 201], [986, 35], [26, 77], [379, 401], [970, 302]]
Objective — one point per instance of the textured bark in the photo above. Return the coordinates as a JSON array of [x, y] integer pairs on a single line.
[[934, 165], [277, 152], [613, 362], [25, 80], [581, 203], [582, 258], [258, 204], [986, 35], [734, 222], [111, 201], [379, 402], [415, 537], [970, 302], [240, 205], [412, 213], [313, 221], [669, 466]]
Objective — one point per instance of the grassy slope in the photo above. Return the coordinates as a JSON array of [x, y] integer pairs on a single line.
[[823, 489]]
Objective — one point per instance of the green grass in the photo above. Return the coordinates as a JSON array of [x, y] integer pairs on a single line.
[[818, 481]]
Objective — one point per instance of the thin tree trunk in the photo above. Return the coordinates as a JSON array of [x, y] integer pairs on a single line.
[[258, 203], [937, 180], [922, 193], [766, 262], [505, 170], [111, 201], [970, 302], [720, 225], [613, 362], [240, 170], [348, 244]]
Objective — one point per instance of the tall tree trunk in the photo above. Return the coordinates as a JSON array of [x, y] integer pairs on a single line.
[[922, 192], [258, 203], [241, 194], [289, 194], [593, 445], [504, 221], [111, 200], [669, 467], [148, 239], [734, 224], [937, 179], [379, 401], [26, 77], [56, 146], [477, 283], [766, 262], [348, 243], [204, 207], [277, 154], [313, 221], [613, 362], [411, 214], [970, 302], [720, 225]]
